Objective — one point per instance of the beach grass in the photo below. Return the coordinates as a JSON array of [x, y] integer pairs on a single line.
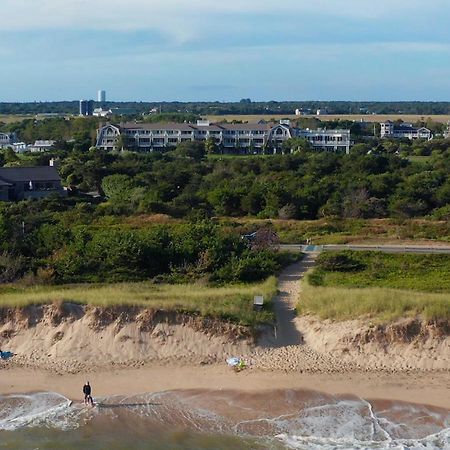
[[232, 302], [377, 303], [418, 272], [384, 287]]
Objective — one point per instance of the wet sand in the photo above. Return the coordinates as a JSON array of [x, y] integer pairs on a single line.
[[432, 388]]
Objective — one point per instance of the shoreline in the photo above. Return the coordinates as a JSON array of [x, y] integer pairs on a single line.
[[425, 388]]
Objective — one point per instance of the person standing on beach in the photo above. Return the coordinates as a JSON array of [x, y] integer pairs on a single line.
[[87, 394]]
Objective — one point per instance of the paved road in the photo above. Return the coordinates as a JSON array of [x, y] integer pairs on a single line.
[[378, 248]]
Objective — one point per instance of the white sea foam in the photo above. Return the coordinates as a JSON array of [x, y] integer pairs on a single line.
[[319, 423], [439, 441], [368, 431], [40, 409]]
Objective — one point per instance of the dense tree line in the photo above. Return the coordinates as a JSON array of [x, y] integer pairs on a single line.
[[378, 179], [304, 185], [55, 241], [245, 106]]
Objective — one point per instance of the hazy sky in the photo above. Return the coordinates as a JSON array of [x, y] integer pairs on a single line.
[[225, 49]]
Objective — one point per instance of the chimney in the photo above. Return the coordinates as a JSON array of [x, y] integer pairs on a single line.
[[54, 162]]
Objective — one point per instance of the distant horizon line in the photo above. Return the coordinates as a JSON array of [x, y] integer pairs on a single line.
[[223, 101]]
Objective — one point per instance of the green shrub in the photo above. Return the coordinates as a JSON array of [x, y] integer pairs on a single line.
[[250, 266], [339, 262]]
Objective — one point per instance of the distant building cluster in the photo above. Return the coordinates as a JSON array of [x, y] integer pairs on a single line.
[[252, 138], [87, 107], [116, 111], [404, 131], [9, 140]]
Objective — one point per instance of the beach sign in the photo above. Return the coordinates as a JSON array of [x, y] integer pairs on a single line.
[[258, 302]]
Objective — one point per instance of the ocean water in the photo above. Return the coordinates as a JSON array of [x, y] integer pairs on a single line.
[[219, 420]]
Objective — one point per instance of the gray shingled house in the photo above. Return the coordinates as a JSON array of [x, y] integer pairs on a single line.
[[19, 183]]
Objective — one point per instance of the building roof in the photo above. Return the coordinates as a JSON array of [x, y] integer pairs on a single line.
[[158, 126], [26, 174], [4, 183], [409, 129], [196, 127], [44, 143], [249, 126]]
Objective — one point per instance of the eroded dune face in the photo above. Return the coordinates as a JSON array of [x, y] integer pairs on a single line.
[[404, 345], [70, 337]]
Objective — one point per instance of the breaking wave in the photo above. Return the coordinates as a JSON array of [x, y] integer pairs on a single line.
[[293, 419]]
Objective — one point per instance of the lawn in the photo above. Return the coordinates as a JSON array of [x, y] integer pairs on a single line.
[[232, 302]]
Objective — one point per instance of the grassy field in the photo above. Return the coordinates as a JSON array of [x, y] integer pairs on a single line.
[[233, 302], [252, 118], [346, 231], [347, 285], [12, 118]]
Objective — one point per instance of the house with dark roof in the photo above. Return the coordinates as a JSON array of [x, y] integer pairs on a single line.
[[247, 137], [19, 183], [404, 130]]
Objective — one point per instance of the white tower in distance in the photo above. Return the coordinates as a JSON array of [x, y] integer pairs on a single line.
[[101, 96]]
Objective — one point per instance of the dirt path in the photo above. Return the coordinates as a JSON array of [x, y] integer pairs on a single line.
[[286, 349], [286, 332]]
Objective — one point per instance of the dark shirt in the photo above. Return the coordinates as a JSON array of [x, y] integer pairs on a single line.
[[87, 389]]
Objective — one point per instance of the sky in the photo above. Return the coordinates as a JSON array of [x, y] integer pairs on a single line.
[[225, 50]]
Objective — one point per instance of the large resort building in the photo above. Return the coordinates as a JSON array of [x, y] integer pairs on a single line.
[[246, 137]]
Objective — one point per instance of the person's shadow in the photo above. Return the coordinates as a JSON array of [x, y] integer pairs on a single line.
[[125, 405]]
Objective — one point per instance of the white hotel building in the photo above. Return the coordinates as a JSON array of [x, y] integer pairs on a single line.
[[246, 137]]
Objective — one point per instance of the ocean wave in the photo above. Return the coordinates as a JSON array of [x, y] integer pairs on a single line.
[[39, 409], [294, 419], [437, 441]]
